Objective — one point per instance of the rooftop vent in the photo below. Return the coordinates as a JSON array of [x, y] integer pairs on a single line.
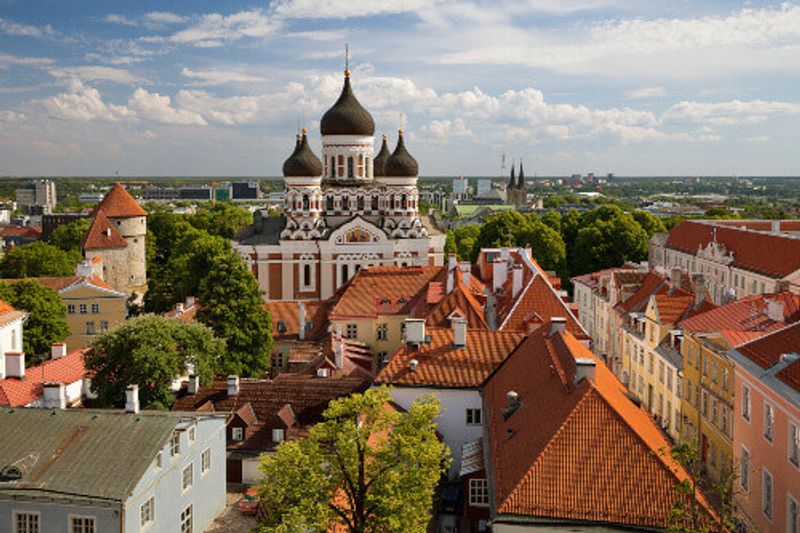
[[413, 365]]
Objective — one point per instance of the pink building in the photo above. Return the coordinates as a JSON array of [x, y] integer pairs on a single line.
[[766, 431]]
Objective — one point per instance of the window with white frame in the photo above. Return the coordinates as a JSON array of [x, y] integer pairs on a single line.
[[479, 492], [159, 460], [82, 308], [766, 493], [746, 403], [352, 331], [237, 434], [473, 417], [769, 422], [744, 469], [187, 477], [192, 434], [205, 461], [175, 444], [186, 520], [26, 522], [147, 512], [792, 515], [794, 444], [82, 524]]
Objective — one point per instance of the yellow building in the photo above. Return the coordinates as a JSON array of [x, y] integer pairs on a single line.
[[708, 373]]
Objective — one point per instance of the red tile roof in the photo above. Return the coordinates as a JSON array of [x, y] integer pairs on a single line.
[[68, 369], [746, 319], [766, 351], [440, 364], [378, 291], [118, 203], [288, 313], [671, 307], [308, 397], [773, 255], [102, 234], [31, 232], [574, 451], [62, 282], [462, 301], [651, 283], [536, 304]]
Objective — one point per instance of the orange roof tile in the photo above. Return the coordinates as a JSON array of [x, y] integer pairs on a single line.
[[119, 203], [651, 283], [461, 300], [384, 290], [103, 234], [288, 314], [773, 255], [767, 350], [536, 303], [443, 365], [62, 282], [31, 232], [68, 369], [575, 451]]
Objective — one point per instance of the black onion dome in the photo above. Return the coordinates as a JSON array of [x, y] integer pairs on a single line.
[[379, 163], [302, 162], [347, 116], [401, 164]]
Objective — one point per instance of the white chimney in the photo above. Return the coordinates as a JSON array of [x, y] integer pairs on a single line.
[[558, 324], [132, 399], [450, 281], [775, 310], [584, 368], [108, 232], [338, 353], [194, 384], [415, 330], [179, 308], [323, 372], [499, 273], [512, 398], [55, 395], [466, 270], [516, 280], [452, 263], [301, 319], [675, 276], [58, 350], [15, 365], [85, 269], [459, 332], [413, 365], [190, 301], [505, 254], [233, 385], [776, 226]]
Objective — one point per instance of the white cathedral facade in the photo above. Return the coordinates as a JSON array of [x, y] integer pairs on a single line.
[[350, 210]]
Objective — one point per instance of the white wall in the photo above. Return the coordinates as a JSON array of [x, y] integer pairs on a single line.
[[10, 341], [452, 419], [250, 473]]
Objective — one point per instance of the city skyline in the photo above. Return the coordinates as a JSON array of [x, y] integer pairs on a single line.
[[587, 86]]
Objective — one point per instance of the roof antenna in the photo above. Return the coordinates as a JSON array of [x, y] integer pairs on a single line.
[[346, 60]]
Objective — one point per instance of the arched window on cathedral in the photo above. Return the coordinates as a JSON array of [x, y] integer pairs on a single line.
[[340, 173], [360, 165], [332, 171], [306, 204], [374, 203], [404, 202], [360, 203], [306, 275], [367, 173], [329, 203], [350, 167], [345, 203]]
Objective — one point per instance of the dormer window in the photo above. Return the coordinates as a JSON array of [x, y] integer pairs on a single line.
[[281, 326], [278, 435], [237, 434]]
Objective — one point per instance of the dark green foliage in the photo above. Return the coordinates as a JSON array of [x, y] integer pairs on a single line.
[[223, 219], [649, 222], [150, 351], [608, 236], [68, 237], [38, 259], [46, 321]]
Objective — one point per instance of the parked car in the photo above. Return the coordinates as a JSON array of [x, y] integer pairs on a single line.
[[249, 503]]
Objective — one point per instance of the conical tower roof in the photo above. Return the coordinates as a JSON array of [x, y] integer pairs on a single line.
[[512, 181], [118, 203], [401, 164], [303, 162], [521, 183], [347, 116], [379, 163]]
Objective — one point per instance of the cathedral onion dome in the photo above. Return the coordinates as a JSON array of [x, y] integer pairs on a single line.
[[401, 164], [347, 116], [379, 163], [302, 162]]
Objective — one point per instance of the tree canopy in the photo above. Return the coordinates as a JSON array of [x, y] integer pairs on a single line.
[[222, 219], [38, 259], [607, 237], [365, 468], [150, 351], [46, 321], [68, 237]]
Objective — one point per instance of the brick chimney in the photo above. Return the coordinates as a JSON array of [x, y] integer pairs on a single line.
[[233, 385], [301, 319], [55, 395], [459, 332], [15, 365], [132, 399], [58, 350]]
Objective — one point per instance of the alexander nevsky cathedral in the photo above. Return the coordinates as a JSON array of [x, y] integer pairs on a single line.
[[348, 210]]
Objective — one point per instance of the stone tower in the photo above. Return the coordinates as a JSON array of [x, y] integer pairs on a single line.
[[115, 242]]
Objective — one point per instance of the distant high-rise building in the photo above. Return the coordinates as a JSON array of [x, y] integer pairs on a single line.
[[40, 193], [484, 186], [245, 190], [460, 188]]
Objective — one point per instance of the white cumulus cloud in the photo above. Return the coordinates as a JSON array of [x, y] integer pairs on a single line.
[[158, 108]]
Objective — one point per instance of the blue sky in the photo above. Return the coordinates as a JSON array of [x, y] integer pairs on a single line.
[[219, 88]]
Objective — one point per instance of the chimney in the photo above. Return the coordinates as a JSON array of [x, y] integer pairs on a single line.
[[194, 384], [776, 226], [558, 324], [459, 332], [775, 310], [15, 365], [58, 350], [338, 353], [415, 330], [301, 319], [55, 395], [179, 308], [323, 372], [516, 280], [132, 399], [490, 310], [413, 365], [512, 398], [85, 269], [675, 275], [450, 281], [584, 368], [108, 232], [189, 302], [699, 289], [452, 263], [233, 385], [499, 273], [466, 270]]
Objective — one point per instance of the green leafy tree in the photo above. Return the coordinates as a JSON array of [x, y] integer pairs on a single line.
[[608, 236], [649, 222], [222, 219], [511, 228], [150, 351], [38, 259], [719, 213], [464, 238], [68, 237], [46, 321], [366, 468], [553, 219]]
